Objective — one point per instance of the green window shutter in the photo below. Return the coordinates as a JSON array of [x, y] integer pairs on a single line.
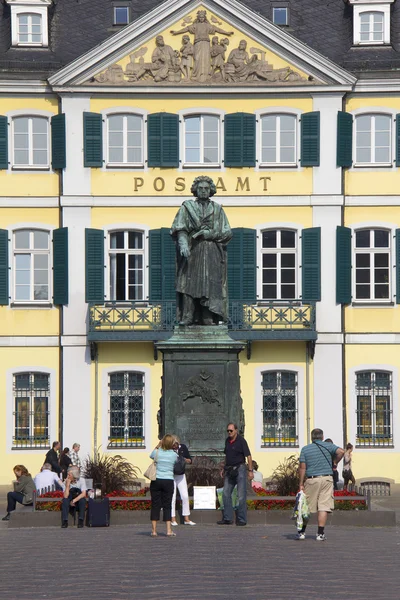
[[4, 294], [311, 264], [162, 252], [3, 142], [242, 265], [58, 143], [163, 140], [343, 265], [92, 139], [94, 268], [398, 140], [240, 140], [344, 144], [310, 139], [397, 243], [60, 266]]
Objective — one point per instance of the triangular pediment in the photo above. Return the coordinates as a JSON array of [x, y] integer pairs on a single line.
[[218, 43]]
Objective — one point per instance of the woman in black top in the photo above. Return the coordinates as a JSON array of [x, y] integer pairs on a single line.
[[181, 483], [65, 462]]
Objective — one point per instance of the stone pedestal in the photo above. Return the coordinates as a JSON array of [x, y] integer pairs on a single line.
[[201, 387]]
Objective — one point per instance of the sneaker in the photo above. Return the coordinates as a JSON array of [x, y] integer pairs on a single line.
[[7, 517], [320, 537], [174, 523], [189, 523], [300, 535]]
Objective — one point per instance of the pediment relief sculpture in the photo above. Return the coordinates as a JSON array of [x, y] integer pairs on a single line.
[[201, 58]]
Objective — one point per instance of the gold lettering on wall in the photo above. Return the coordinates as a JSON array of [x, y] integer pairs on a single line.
[[242, 186], [265, 182], [180, 184], [220, 184], [159, 184], [138, 182]]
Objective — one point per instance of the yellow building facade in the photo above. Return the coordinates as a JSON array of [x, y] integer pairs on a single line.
[[97, 160]]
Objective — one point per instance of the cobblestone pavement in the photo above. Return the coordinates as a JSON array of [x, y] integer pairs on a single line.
[[207, 562]]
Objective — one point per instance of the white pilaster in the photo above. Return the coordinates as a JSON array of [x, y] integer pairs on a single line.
[[328, 312], [328, 391], [75, 313], [77, 404], [76, 179], [327, 178]]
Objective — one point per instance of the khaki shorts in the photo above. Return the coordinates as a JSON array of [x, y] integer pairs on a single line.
[[319, 492]]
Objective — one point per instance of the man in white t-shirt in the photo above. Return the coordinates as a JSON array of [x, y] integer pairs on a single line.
[[47, 480]]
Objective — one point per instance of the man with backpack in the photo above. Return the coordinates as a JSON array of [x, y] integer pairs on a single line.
[[316, 464]]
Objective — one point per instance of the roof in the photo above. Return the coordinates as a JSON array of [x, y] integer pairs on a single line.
[[77, 26]]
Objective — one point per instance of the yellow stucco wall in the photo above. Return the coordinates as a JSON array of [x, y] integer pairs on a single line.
[[369, 319], [22, 321], [29, 183], [230, 181], [32, 359], [371, 462], [372, 181]]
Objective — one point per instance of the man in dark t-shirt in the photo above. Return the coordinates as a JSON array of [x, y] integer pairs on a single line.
[[236, 473]]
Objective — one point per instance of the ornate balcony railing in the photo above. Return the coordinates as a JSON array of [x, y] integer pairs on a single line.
[[130, 321]]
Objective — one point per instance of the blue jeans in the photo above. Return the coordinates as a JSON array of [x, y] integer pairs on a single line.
[[81, 505], [229, 484], [12, 499]]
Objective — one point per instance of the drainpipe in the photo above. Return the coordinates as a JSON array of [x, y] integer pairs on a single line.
[[60, 319], [343, 322], [95, 355], [308, 415]]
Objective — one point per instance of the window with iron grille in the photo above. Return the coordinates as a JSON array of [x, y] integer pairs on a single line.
[[279, 409], [373, 264], [127, 263], [126, 410], [279, 264], [374, 408], [31, 410]]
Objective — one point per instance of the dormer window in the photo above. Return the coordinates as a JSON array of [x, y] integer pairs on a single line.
[[29, 22], [121, 15], [371, 22]]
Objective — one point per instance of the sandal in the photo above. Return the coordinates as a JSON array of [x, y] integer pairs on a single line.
[[172, 534], [153, 534]]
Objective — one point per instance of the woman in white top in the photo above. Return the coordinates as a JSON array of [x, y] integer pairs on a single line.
[[181, 483]]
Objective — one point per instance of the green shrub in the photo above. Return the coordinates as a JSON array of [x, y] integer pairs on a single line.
[[286, 476], [113, 472], [204, 471]]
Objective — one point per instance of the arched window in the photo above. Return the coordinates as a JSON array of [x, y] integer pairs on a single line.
[[126, 390], [202, 140], [373, 139], [279, 408], [278, 139], [374, 408], [279, 264], [126, 265], [30, 142], [31, 265], [125, 140], [371, 26], [372, 250], [31, 410]]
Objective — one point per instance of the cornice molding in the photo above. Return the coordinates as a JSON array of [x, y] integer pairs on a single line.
[[253, 24], [304, 90]]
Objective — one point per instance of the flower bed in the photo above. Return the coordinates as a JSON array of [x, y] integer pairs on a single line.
[[266, 501]]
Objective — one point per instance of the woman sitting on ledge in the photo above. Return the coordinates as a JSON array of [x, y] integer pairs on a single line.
[[24, 486]]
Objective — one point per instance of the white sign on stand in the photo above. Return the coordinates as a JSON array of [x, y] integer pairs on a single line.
[[204, 497]]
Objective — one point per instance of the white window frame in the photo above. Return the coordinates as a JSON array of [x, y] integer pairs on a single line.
[[10, 448], [140, 228], [278, 167], [373, 146], [286, 8], [202, 164], [30, 167], [124, 110], [31, 424], [363, 6], [126, 8], [118, 371], [301, 405], [128, 252], [390, 251], [279, 405], [279, 163], [48, 252], [352, 414], [33, 7], [124, 163], [278, 251], [105, 378]]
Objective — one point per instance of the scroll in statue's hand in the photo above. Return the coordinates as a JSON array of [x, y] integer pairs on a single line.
[[205, 233], [184, 250]]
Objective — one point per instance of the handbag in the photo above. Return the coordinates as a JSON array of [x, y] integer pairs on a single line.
[[180, 466], [151, 471]]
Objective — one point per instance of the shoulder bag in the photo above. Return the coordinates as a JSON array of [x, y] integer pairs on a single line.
[[180, 465], [151, 471]]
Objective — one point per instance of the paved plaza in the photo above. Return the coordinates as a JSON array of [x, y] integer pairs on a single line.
[[206, 562]]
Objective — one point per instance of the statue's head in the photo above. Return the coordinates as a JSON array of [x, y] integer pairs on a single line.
[[185, 39], [202, 16], [159, 40], [242, 45], [214, 40], [203, 187]]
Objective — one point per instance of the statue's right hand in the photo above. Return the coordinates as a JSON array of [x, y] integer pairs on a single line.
[[185, 251], [172, 32]]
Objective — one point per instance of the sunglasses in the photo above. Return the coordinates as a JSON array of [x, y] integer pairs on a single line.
[[230, 430]]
